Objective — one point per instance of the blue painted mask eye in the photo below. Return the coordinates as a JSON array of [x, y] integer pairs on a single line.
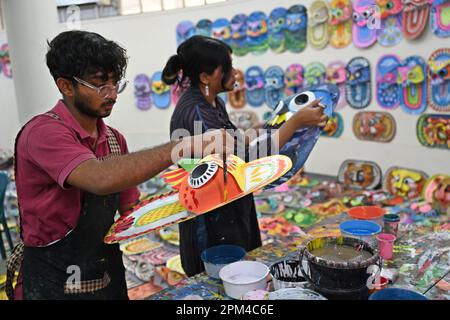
[[202, 173], [442, 73]]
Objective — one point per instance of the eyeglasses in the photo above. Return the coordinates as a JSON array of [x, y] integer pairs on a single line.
[[107, 90]]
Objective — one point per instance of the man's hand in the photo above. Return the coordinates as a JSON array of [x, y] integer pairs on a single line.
[[311, 115], [212, 141]]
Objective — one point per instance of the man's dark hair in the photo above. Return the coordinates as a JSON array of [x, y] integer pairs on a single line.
[[81, 53]]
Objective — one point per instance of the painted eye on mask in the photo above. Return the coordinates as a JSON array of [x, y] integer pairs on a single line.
[[356, 16], [389, 5], [301, 100], [366, 14], [280, 22], [443, 73], [202, 173]]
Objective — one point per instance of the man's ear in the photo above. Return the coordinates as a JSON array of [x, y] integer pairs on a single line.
[[65, 86]]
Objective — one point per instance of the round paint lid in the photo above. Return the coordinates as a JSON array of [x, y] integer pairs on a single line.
[[366, 212], [360, 227]]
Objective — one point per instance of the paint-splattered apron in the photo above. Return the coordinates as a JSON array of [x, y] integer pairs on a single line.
[[81, 265]]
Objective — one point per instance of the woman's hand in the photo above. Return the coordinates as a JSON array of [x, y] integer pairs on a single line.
[[311, 115]]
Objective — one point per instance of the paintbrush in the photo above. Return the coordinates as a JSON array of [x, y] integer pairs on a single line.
[[437, 282]]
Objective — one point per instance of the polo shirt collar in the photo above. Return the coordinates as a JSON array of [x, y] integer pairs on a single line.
[[63, 112]]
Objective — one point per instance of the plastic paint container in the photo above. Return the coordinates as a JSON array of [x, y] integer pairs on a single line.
[[361, 229], [391, 222], [386, 243], [240, 277], [215, 258], [396, 294], [373, 213]]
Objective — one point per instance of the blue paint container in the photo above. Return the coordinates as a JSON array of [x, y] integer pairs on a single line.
[[364, 230], [397, 294], [215, 258]]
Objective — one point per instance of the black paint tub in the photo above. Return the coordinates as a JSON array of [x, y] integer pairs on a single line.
[[339, 280]]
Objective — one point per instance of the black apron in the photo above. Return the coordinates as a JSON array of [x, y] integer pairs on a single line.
[[81, 265]]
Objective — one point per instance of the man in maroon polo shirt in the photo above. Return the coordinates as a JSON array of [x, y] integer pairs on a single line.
[[73, 174]]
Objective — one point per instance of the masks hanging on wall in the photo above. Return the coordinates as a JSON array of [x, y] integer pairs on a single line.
[[358, 86], [374, 126], [415, 17], [318, 27], [340, 23], [277, 30], [297, 21], [439, 80]]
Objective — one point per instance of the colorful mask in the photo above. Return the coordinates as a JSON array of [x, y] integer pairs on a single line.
[[257, 33], [390, 32], [274, 88], [439, 80], [244, 119], [374, 126], [300, 145], [254, 86], [437, 192], [364, 23], [315, 74], [5, 62], [237, 96], [185, 30], [142, 92], [358, 174], [404, 182], [221, 30], [358, 88], [340, 23], [296, 21], [139, 246], [433, 130], [239, 34], [204, 28], [318, 28], [293, 79], [199, 191], [277, 29], [440, 18], [160, 91], [334, 127], [415, 16], [386, 81], [336, 74], [412, 85]]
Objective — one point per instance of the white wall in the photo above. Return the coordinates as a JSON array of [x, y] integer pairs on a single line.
[[150, 40], [9, 119]]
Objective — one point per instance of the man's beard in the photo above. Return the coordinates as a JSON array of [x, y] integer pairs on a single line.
[[83, 107]]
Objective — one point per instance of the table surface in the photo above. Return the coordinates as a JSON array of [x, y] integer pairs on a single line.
[[421, 257]]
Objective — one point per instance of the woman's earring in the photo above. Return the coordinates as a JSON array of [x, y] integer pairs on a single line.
[[207, 90]]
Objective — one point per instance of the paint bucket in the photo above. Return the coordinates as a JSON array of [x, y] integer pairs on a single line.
[[240, 277], [373, 213], [391, 222], [287, 274], [397, 294], [364, 230], [386, 243], [335, 279], [215, 258]]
